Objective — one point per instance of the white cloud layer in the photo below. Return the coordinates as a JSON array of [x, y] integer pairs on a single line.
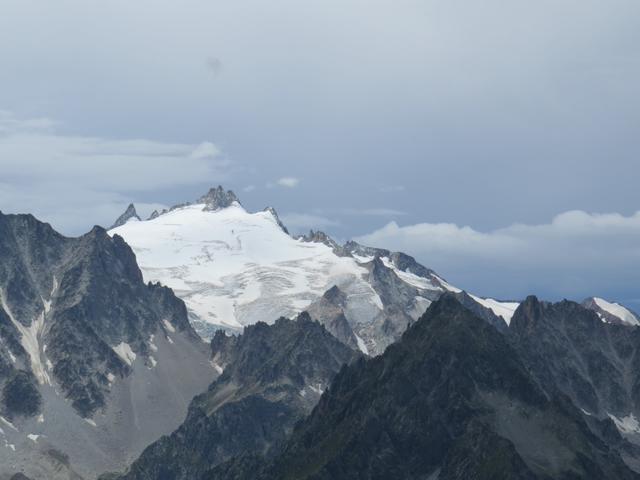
[[289, 182], [75, 181], [574, 254]]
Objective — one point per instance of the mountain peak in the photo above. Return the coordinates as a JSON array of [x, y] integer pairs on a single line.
[[611, 312], [335, 296], [217, 198], [273, 212], [128, 214], [320, 237]]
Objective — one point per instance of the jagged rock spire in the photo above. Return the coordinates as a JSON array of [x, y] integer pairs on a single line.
[[128, 214], [217, 198], [320, 237]]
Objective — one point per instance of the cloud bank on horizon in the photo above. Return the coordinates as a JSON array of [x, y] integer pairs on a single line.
[[576, 255]]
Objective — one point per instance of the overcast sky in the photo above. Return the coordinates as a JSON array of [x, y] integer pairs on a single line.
[[496, 141]]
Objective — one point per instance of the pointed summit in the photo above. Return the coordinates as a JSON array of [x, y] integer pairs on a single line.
[[273, 212], [217, 198], [128, 214]]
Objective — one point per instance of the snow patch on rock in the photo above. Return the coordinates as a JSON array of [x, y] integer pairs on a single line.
[[410, 278], [8, 424], [361, 345], [125, 353], [627, 425], [617, 310], [30, 338], [168, 326], [501, 309]]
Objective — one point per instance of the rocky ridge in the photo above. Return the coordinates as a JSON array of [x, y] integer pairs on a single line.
[[84, 344]]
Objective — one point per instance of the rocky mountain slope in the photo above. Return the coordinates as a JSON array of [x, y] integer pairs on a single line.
[[578, 361], [453, 399], [595, 363], [234, 268], [272, 377], [94, 363]]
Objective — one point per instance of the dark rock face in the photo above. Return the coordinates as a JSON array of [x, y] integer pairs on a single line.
[[482, 312], [20, 395], [596, 364], [273, 375], [317, 236], [217, 198], [20, 476], [89, 353], [329, 311], [128, 214], [16, 378], [79, 297], [400, 306], [404, 262], [402, 301], [452, 399]]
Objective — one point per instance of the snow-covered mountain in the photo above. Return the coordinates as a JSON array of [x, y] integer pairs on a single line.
[[234, 268], [611, 312]]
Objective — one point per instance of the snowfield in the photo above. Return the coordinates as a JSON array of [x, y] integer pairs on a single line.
[[233, 268], [617, 310]]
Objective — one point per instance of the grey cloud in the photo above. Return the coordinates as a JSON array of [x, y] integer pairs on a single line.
[[574, 255], [11, 124], [74, 181], [288, 182]]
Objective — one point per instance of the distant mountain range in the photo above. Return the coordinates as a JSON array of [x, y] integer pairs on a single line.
[[234, 268], [454, 398], [321, 360], [273, 377]]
